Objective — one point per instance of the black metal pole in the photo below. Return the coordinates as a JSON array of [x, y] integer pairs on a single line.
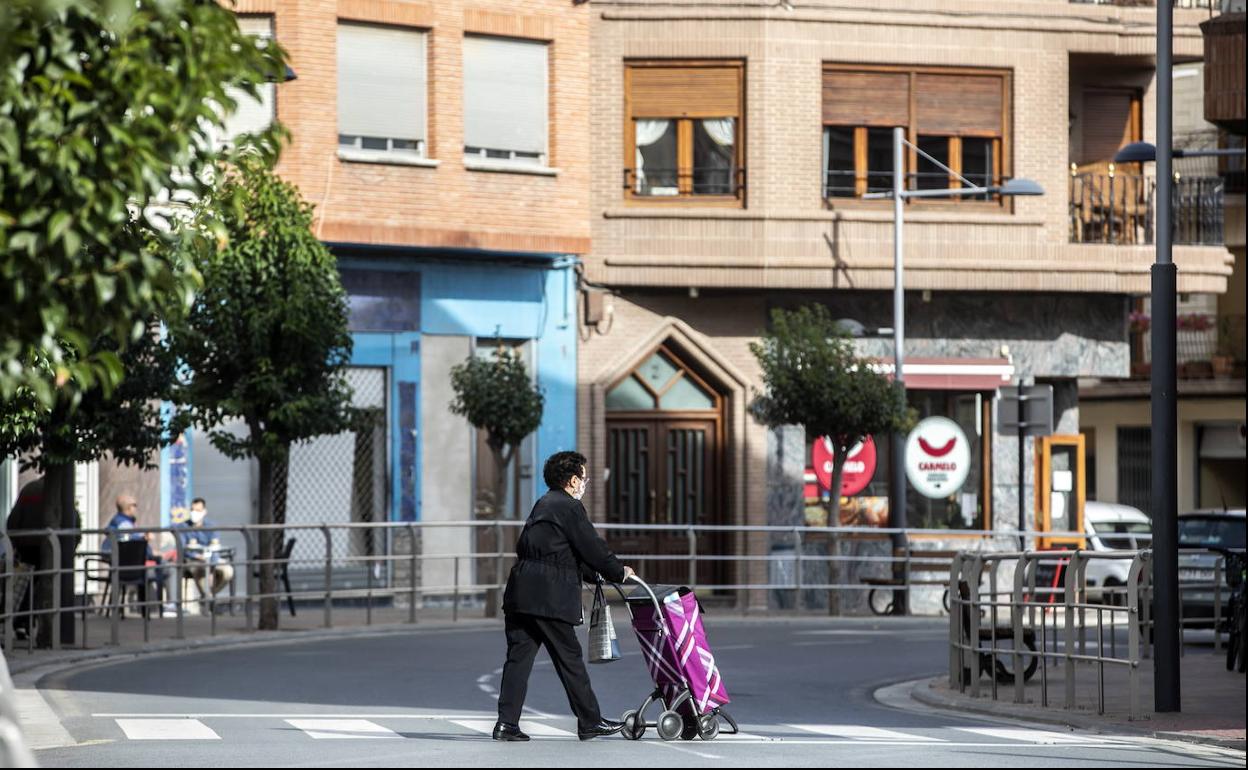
[[1164, 404], [1022, 473], [897, 512]]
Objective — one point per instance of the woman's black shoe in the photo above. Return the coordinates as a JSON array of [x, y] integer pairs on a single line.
[[605, 727], [505, 732]]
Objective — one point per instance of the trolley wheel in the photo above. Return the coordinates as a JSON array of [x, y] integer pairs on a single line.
[[670, 725], [708, 727], [634, 728]]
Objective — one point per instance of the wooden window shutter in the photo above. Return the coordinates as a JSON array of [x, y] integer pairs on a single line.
[[711, 91], [960, 104], [858, 98], [1108, 121]]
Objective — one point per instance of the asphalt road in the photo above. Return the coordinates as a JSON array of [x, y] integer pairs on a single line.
[[804, 692]]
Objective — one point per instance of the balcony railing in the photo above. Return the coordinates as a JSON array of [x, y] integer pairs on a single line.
[[1115, 207], [1206, 345], [685, 182], [1151, 3]]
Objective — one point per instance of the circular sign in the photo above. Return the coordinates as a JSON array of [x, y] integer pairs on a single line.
[[858, 470], [938, 457]]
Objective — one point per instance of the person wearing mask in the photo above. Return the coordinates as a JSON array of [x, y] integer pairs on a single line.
[[200, 541], [557, 549]]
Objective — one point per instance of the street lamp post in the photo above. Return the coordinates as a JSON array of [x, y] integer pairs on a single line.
[[899, 194]]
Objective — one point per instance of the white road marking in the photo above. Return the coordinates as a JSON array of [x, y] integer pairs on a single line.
[[297, 715], [167, 730], [1023, 735], [333, 729], [538, 730], [863, 733]]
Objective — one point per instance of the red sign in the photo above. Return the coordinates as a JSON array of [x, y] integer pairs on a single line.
[[859, 466]]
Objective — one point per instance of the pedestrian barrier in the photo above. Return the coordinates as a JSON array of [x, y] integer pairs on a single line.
[[407, 566], [1028, 606]]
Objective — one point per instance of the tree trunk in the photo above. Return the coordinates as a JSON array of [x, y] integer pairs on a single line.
[[58, 513], [839, 455], [488, 570], [268, 549]]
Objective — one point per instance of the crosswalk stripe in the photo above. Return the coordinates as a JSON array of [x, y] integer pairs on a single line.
[[331, 729], [167, 730], [1028, 736], [535, 729], [863, 733]]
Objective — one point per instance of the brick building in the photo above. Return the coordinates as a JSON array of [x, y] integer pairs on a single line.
[[733, 144]]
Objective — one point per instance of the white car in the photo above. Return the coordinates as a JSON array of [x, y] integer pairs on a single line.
[[1113, 527]]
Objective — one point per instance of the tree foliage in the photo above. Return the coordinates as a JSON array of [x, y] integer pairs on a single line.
[[105, 108], [813, 377], [266, 341], [497, 396]]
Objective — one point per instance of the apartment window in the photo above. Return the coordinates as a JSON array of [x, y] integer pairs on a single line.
[[252, 114], [683, 133], [958, 118], [382, 92], [505, 102]]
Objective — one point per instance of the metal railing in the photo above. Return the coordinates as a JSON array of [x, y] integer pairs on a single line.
[[1117, 207], [1063, 638], [410, 572], [969, 656], [662, 183]]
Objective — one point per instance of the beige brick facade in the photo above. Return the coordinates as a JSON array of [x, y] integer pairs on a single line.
[[442, 205], [787, 242]]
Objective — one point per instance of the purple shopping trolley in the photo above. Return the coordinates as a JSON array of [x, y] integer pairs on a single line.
[[687, 683]]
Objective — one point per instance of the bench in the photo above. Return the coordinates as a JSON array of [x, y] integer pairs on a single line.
[[880, 599]]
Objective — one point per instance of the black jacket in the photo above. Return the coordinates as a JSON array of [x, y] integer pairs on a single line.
[[556, 551]]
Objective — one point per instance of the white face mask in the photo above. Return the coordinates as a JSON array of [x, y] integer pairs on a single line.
[[198, 516], [580, 492]]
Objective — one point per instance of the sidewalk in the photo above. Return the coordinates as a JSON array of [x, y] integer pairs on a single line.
[[1213, 700]]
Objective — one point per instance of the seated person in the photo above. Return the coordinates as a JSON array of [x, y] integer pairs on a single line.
[[197, 539]]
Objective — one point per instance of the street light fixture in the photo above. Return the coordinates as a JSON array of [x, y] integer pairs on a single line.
[[899, 194], [1146, 152]]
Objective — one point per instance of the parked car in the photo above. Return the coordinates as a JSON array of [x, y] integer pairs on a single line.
[[1112, 527], [1198, 532]]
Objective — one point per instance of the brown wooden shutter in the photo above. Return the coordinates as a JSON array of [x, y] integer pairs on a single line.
[[712, 91], [1108, 121], [967, 105], [856, 98]]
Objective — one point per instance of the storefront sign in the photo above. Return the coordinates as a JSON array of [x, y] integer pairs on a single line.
[[859, 466], [938, 457]]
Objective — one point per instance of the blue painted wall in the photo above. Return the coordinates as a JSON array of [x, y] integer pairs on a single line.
[[533, 300]]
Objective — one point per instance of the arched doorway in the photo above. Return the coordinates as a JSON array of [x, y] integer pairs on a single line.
[[665, 434]]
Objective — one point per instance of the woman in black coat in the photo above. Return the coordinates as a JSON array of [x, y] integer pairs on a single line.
[[542, 602]]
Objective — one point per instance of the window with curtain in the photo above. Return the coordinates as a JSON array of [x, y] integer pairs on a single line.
[[958, 118], [252, 113], [382, 90], [683, 137], [505, 100]]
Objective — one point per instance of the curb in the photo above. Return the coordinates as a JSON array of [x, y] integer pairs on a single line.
[[225, 641], [925, 693]]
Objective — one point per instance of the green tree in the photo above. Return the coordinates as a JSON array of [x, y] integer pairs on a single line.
[[812, 377], [105, 107], [497, 396], [266, 341], [124, 424]]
